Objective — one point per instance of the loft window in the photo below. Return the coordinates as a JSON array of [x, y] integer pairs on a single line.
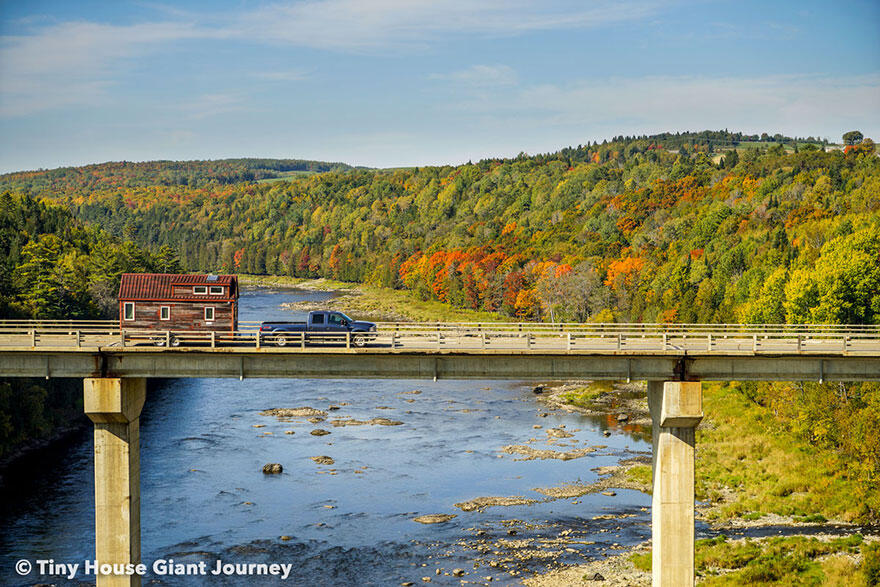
[[209, 314], [128, 311], [200, 290], [165, 313], [216, 290]]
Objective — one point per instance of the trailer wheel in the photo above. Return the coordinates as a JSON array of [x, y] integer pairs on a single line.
[[359, 340], [281, 340], [174, 341]]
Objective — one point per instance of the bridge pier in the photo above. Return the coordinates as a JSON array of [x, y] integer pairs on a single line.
[[114, 406], [676, 410]]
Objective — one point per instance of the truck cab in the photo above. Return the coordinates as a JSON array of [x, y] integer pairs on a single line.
[[322, 325]]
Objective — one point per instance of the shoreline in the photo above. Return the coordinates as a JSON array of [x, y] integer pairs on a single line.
[[19, 455]]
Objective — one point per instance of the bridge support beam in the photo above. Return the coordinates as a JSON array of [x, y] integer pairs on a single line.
[[114, 406], [676, 410]]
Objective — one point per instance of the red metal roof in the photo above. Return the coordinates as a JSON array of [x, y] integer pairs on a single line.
[[158, 286]]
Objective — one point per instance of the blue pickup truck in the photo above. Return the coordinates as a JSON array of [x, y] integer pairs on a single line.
[[322, 326]]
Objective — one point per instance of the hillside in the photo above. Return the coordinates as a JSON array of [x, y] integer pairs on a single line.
[[626, 230], [125, 174]]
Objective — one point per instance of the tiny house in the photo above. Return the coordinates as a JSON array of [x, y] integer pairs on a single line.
[[162, 301]]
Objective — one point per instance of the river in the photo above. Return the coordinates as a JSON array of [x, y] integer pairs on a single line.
[[204, 496]]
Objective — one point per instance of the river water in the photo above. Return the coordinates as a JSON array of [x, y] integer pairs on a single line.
[[204, 496]]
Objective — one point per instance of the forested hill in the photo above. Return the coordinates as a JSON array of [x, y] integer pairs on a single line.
[[51, 266], [636, 229], [125, 174]]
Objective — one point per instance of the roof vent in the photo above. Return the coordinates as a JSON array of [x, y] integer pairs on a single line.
[[212, 278]]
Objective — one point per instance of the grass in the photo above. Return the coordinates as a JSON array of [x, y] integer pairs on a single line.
[[640, 474], [767, 144], [286, 175], [584, 397], [741, 448], [793, 560]]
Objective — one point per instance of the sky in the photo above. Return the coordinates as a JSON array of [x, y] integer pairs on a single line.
[[387, 83]]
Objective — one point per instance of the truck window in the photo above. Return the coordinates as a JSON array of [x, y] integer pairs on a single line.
[[336, 319], [317, 318]]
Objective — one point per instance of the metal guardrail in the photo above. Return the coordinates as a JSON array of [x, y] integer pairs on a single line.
[[634, 328], [470, 337]]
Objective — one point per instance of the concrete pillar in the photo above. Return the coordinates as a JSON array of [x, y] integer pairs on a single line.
[[114, 406], [676, 409]]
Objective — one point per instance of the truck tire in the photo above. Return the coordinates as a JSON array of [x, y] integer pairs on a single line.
[[359, 340], [175, 341], [281, 340]]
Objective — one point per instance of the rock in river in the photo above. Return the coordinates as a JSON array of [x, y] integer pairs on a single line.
[[272, 468], [293, 413], [319, 432], [434, 518], [323, 460]]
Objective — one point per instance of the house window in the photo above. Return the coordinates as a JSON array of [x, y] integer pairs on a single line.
[[209, 314], [128, 311], [164, 312], [216, 290], [200, 290]]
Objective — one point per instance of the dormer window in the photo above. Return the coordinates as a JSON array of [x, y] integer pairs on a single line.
[[200, 290]]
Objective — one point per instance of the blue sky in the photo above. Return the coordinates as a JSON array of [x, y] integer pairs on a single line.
[[411, 82]]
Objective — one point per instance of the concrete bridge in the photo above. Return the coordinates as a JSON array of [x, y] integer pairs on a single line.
[[674, 359]]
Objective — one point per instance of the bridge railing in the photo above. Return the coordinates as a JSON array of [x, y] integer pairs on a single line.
[[628, 329], [465, 337], [631, 329]]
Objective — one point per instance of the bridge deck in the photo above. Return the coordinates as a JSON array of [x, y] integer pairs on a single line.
[[506, 351]]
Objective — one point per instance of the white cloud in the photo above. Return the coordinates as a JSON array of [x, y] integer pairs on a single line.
[[208, 105], [77, 62], [480, 76], [281, 76], [358, 25]]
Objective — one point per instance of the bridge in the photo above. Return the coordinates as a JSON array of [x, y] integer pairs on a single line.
[[674, 359]]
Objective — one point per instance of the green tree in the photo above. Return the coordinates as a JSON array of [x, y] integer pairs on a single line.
[[36, 278], [166, 260], [768, 307], [844, 285], [852, 137]]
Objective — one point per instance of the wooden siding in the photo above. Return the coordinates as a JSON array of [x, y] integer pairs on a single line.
[[185, 316]]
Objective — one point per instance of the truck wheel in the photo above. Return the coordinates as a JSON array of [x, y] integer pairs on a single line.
[[359, 340], [174, 341], [281, 340]]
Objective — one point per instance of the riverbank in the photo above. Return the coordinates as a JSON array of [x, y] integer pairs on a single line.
[[744, 483], [35, 415], [370, 302], [822, 559], [765, 477]]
